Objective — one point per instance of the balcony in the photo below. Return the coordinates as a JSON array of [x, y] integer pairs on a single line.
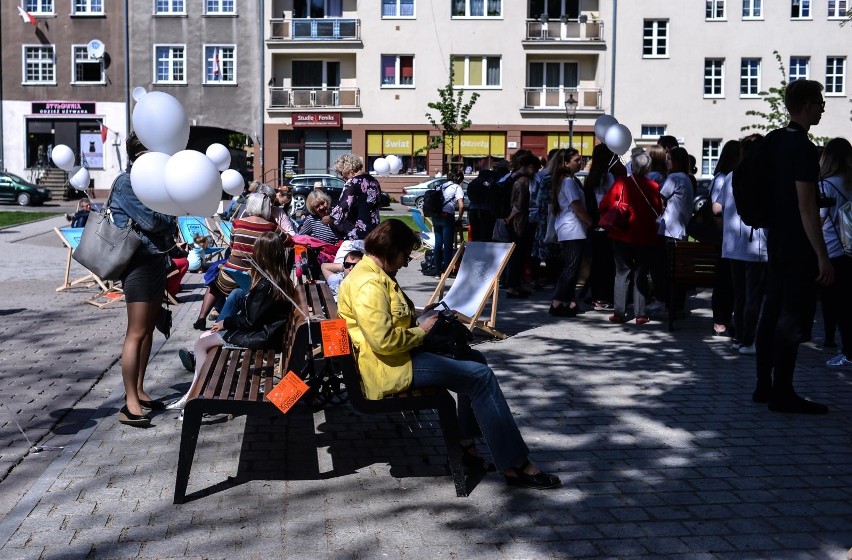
[[300, 99], [313, 30], [552, 99], [554, 31]]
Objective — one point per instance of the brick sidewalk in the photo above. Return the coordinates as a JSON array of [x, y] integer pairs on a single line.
[[661, 453]]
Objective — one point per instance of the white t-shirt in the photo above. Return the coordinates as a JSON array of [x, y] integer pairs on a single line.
[[677, 190], [452, 194], [717, 187], [738, 241], [607, 181], [833, 186], [568, 226]]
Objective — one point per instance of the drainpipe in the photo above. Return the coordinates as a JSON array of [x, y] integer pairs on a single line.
[[614, 51], [126, 78], [259, 137]]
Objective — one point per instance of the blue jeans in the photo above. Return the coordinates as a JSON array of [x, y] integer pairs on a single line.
[[481, 403], [445, 230], [233, 304]]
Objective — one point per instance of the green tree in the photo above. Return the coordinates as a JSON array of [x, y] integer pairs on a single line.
[[451, 117], [776, 116]]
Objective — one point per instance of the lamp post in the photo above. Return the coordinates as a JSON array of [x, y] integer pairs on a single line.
[[571, 112]]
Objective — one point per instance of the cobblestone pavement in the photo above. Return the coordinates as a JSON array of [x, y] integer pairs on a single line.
[[660, 450]]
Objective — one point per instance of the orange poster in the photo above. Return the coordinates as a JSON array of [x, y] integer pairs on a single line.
[[287, 392], [335, 338]]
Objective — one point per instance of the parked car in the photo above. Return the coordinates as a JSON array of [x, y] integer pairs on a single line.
[[413, 195], [332, 185], [15, 189]]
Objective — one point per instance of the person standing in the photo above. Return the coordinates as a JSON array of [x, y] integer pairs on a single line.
[[446, 222], [798, 258]]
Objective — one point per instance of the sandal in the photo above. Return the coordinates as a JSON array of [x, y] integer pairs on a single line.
[[473, 460], [540, 481]]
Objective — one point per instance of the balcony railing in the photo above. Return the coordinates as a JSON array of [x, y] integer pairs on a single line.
[[331, 29], [565, 31], [553, 99], [307, 98]]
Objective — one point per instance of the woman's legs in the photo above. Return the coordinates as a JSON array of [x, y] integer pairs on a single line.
[[141, 320], [738, 281], [623, 258], [722, 299], [207, 304], [233, 303], [444, 227], [206, 342], [641, 289], [843, 281], [566, 285], [755, 287]]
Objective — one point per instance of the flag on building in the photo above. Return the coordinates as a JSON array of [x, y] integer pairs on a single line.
[[104, 132], [216, 75], [27, 17]]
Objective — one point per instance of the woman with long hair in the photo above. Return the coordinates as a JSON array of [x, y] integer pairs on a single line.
[[659, 169], [544, 251], [722, 300], [836, 183], [571, 221]]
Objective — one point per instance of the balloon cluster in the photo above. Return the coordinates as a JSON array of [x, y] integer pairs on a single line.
[[387, 165], [63, 158], [615, 135]]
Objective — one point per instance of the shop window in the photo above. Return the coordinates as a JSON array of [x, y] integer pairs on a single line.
[[472, 151], [402, 144], [39, 65], [87, 70], [220, 64]]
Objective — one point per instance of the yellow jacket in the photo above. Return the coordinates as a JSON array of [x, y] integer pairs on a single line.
[[379, 317]]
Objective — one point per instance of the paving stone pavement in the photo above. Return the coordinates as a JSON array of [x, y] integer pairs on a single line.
[[661, 452]]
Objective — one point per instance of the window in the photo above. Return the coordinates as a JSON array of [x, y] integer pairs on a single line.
[[555, 9], [554, 75], [477, 8], [86, 70], [476, 71], [88, 7], [39, 65], [653, 130], [714, 73], [169, 7], [837, 9], [402, 144], [799, 68], [715, 9], [752, 9], [220, 64], [710, 150], [397, 8], [749, 77], [169, 64], [835, 75], [800, 9], [397, 70], [220, 7], [37, 7], [655, 38]]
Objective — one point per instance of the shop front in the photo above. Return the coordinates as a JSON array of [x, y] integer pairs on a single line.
[[472, 152], [75, 124], [540, 143], [312, 145]]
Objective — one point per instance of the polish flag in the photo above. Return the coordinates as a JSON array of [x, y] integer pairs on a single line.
[[27, 17], [104, 132], [216, 64]]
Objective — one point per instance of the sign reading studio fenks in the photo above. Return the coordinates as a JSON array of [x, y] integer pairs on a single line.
[[63, 108], [303, 120]]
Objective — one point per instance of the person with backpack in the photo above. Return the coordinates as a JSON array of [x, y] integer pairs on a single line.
[[480, 218], [445, 222], [798, 258], [516, 222], [835, 191]]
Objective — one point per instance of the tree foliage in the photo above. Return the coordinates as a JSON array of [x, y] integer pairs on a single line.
[[451, 116]]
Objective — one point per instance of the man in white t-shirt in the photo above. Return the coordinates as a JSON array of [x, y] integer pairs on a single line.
[[445, 223]]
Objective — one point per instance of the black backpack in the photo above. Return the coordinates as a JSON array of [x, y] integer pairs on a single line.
[[433, 201], [479, 188], [500, 199], [752, 183]]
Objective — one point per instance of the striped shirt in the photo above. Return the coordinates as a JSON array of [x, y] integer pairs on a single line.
[[242, 244], [314, 227]]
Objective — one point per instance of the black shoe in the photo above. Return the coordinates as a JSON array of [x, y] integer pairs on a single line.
[[563, 311], [761, 394], [200, 324], [475, 462], [796, 405], [153, 405], [540, 481], [135, 420], [187, 359]]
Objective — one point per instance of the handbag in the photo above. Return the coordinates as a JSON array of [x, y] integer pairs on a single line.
[[448, 337], [617, 217], [106, 249]]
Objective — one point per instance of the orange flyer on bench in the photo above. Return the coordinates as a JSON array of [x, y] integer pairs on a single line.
[[335, 338], [289, 390]]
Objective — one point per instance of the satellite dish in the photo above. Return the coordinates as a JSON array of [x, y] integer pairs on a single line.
[[95, 48]]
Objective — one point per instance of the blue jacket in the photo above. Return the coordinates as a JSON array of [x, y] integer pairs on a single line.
[[156, 230]]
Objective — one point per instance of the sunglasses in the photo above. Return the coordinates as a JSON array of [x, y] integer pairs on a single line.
[[349, 264]]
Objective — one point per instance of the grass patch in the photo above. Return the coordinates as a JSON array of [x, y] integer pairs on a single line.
[[14, 218], [407, 220]]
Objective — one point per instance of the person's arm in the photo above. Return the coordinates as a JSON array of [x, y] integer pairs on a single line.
[[580, 212], [460, 202], [809, 211], [341, 222], [373, 315]]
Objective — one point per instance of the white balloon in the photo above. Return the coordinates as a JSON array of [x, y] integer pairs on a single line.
[[160, 123], [233, 182], [78, 178], [137, 93], [219, 155], [148, 177], [618, 139], [194, 183], [602, 124], [381, 167], [63, 157], [394, 162]]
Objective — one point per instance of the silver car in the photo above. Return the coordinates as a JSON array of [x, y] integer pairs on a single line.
[[413, 195]]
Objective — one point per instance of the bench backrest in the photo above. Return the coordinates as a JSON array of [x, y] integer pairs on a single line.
[[693, 262]]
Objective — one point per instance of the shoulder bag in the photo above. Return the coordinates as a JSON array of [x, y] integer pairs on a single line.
[[617, 217], [106, 249]]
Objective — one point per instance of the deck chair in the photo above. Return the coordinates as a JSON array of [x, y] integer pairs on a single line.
[[71, 239], [112, 294], [241, 277], [227, 230], [190, 226], [427, 236], [476, 283]]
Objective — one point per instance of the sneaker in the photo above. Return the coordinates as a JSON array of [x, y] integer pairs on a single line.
[[748, 350], [602, 306], [187, 359], [655, 306], [839, 360], [736, 345]]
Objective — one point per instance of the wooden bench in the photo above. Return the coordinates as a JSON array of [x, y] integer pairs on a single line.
[[689, 264]]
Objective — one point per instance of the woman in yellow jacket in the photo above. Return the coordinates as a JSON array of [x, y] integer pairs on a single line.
[[381, 322]]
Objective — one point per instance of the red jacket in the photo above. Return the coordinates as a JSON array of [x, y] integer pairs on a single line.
[[643, 210]]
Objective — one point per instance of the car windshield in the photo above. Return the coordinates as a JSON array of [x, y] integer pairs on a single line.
[[15, 178]]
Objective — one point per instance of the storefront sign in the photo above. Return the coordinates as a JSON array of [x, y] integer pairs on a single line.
[[584, 142], [63, 108], [310, 120]]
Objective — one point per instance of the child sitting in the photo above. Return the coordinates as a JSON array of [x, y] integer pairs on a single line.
[[197, 256]]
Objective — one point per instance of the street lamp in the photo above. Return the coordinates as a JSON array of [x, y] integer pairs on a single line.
[[571, 112]]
